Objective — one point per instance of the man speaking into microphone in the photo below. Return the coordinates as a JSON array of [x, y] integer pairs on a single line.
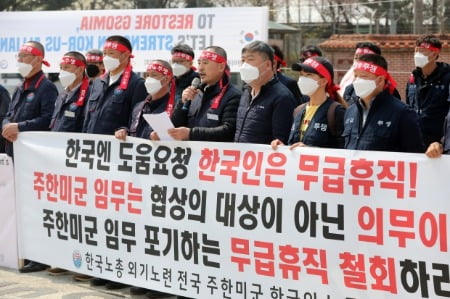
[[207, 111]]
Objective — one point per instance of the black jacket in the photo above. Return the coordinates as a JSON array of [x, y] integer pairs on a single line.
[[267, 117], [430, 99], [5, 99], [67, 116], [209, 124], [390, 126], [32, 106], [446, 139], [109, 108], [319, 132], [138, 125]]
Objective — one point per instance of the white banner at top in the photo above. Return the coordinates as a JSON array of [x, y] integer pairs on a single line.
[[152, 32], [228, 220]]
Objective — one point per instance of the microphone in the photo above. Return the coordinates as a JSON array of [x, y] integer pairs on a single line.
[[194, 84]]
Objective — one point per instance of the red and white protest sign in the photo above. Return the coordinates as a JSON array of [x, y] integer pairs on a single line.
[[225, 220]]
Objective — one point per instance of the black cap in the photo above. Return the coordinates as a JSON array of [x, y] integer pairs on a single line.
[[309, 69], [309, 51]]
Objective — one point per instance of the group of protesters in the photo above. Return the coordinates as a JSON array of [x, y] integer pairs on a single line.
[[102, 95]]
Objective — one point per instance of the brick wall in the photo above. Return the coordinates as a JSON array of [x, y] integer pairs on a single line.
[[398, 49]]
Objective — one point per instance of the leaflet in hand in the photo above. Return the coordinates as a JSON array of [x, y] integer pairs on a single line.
[[160, 123]]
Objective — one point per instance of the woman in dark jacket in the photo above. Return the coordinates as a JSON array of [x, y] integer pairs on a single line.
[[318, 122]]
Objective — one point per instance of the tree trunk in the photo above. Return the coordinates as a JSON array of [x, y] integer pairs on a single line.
[[418, 17]]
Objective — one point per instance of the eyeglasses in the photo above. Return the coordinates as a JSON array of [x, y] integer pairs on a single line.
[[23, 55]]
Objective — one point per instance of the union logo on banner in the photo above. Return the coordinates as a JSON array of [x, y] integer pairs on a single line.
[[77, 260]]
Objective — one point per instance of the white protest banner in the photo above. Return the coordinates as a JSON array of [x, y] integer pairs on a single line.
[[152, 32], [211, 220], [8, 231]]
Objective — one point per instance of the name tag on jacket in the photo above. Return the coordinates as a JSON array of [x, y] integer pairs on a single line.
[[68, 113], [212, 116]]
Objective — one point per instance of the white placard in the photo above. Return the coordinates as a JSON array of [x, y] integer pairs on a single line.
[[152, 32], [160, 123]]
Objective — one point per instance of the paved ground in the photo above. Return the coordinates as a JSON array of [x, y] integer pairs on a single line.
[[41, 285]]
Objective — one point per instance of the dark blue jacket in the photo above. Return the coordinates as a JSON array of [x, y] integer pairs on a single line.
[[109, 108], [5, 99], [209, 124], [319, 132], [430, 99], [138, 125], [390, 126], [67, 116], [267, 117], [292, 85], [183, 82], [32, 106]]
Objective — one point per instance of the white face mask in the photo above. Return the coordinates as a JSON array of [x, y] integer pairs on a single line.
[[307, 85], [24, 69], [152, 85], [66, 78], [420, 60], [110, 63], [249, 73], [178, 69], [364, 87]]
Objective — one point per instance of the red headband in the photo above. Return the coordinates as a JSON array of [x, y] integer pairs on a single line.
[[209, 55], [34, 51], [94, 58], [281, 61], [429, 47], [364, 51], [159, 68], [182, 55], [72, 61], [323, 71], [116, 46], [154, 66], [319, 68], [377, 70]]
